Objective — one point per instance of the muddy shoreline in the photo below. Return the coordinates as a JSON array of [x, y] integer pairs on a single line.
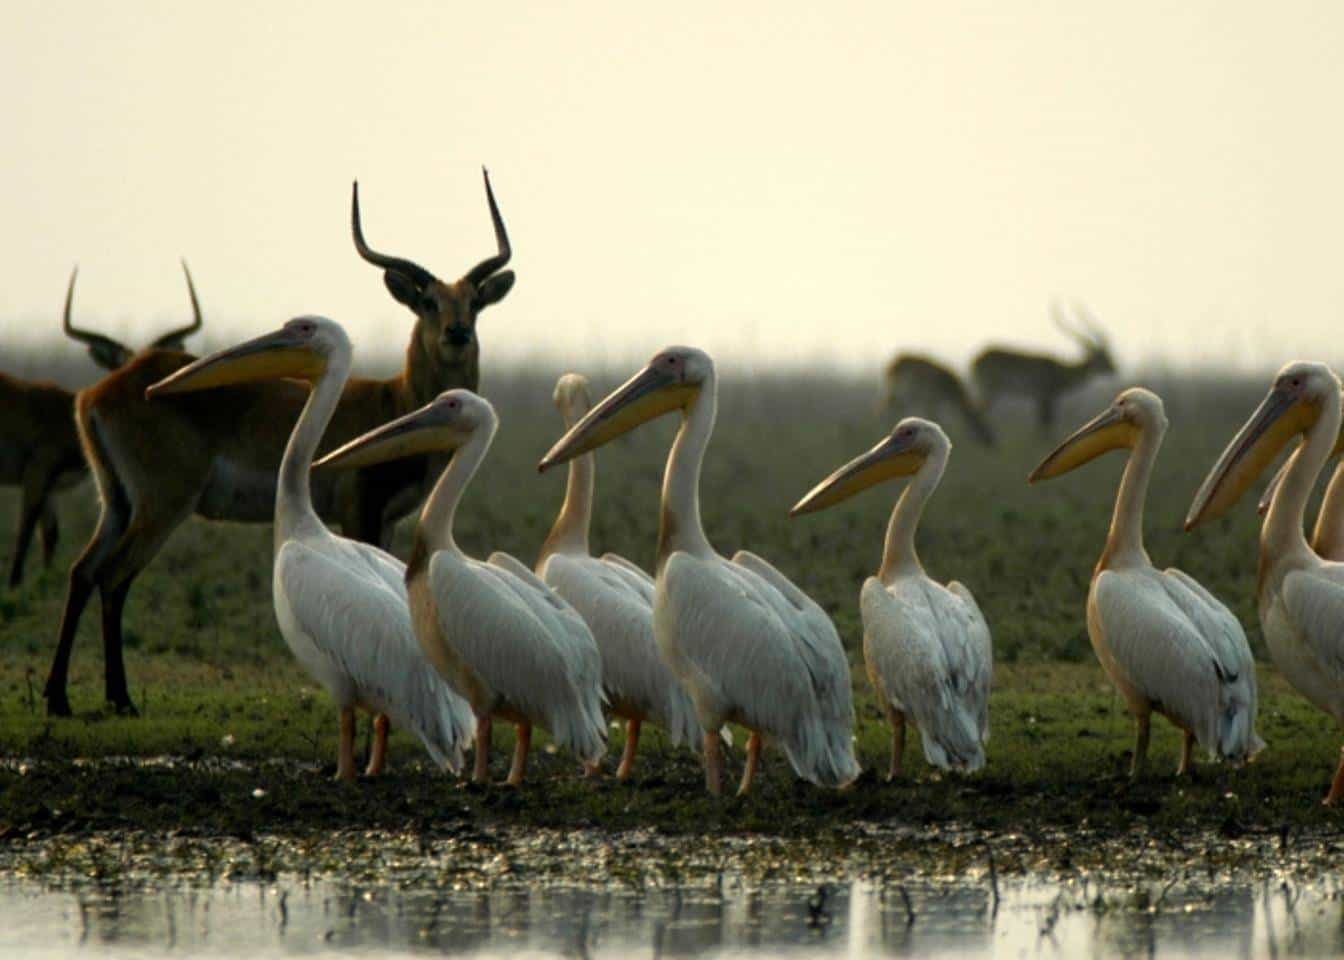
[[206, 819]]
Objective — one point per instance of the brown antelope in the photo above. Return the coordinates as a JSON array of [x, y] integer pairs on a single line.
[[39, 448], [216, 453], [915, 384], [1003, 372]]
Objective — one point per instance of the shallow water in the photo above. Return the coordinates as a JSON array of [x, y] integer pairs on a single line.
[[291, 915]]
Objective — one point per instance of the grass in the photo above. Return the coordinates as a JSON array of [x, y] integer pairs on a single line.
[[218, 689]]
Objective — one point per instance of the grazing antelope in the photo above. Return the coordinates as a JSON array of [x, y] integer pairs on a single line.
[[39, 448], [217, 454], [918, 384], [1001, 372]]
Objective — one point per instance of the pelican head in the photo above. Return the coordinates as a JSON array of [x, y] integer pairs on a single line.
[[900, 454], [572, 398], [670, 381], [445, 423], [301, 350], [1133, 412], [1293, 404]]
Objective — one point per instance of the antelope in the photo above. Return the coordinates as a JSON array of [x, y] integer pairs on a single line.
[[918, 384], [1001, 372], [39, 448], [216, 454]]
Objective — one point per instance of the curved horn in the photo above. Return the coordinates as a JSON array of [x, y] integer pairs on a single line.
[[173, 338], [105, 351], [1061, 318], [490, 264], [1089, 322], [418, 274]]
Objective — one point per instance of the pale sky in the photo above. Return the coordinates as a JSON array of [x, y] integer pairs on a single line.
[[771, 181]]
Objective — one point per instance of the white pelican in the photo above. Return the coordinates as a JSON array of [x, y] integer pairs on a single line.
[[926, 645], [1167, 643], [496, 632], [341, 604], [1300, 595], [748, 645], [615, 599]]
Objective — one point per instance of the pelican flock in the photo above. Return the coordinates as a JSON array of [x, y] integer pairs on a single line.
[[927, 646], [615, 599], [1300, 594], [341, 604], [1167, 644], [503, 639], [446, 644], [748, 645]]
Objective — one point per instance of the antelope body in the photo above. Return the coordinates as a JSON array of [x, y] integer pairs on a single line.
[[1004, 372], [39, 447], [918, 384], [216, 454]]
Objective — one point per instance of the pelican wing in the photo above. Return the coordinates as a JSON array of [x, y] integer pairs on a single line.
[[617, 605], [980, 652], [634, 575], [343, 608], [525, 643], [918, 641], [745, 653], [819, 624], [1178, 650], [1315, 603]]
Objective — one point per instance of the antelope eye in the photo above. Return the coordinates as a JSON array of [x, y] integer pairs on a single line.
[[428, 304]]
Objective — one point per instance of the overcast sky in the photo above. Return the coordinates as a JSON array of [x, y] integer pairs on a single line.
[[773, 182]]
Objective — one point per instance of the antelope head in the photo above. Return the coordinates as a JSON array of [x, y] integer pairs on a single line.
[[110, 354], [1088, 334], [445, 312]]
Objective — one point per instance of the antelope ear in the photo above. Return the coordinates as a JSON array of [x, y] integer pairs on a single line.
[[494, 289], [402, 288]]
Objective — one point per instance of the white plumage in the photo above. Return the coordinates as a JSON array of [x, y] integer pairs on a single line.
[[342, 608], [615, 599], [342, 605], [745, 643], [750, 656], [926, 647], [503, 639], [1165, 641]]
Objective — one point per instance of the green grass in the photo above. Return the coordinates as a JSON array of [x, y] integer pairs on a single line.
[[214, 680]]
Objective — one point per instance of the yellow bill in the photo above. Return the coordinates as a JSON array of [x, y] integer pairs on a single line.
[[434, 428], [893, 457], [1280, 417], [648, 394], [284, 353], [1107, 431]]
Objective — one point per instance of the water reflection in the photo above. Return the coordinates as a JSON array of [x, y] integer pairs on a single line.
[[291, 917]]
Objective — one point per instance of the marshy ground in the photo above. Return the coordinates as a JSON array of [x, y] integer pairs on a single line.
[[234, 745]]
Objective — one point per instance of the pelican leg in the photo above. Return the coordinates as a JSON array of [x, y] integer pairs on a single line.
[[753, 761], [345, 758], [1140, 747], [1186, 747], [378, 755], [628, 754], [521, 746], [713, 764], [481, 771], [1337, 785], [897, 743]]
